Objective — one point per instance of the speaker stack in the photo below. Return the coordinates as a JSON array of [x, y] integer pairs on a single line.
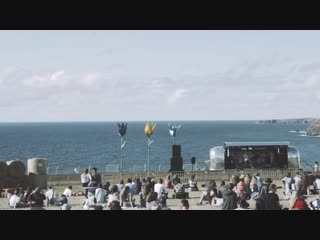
[[176, 160]]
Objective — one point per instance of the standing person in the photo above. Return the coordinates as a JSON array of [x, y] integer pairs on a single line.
[[287, 186], [259, 181], [316, 168], [95, 177], [168, 183], [85, 179], [298, 181]]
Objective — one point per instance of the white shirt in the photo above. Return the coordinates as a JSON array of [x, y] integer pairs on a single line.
[[88, 203], [85, 178], [120, 187], [113, 197], [14, 201], [287, 181], [158, 188], [133, 188], [298, 181], [317, 181], [67, 192], [100, 195], [50, 194]]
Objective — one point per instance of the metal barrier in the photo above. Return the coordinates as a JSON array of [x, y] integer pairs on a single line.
[[114, 168], [200, 176]]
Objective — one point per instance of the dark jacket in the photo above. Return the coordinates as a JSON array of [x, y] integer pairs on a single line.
[[229, 200]]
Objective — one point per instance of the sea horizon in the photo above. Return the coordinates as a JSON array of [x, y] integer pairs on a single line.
[[80, 144]]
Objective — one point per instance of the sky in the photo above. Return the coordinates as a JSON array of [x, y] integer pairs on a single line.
[[135, 75]]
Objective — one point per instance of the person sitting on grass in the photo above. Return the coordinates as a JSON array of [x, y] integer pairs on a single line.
[[180, 191], [209, 194], [271, 199], [115, 205], [152, 200], [298, 202], [37, 204], [113, 195], [101, 194], [242, 204], [50, 195], [159, 187], [15, 200], [68, 191], [145, 190], [36, 197], [26, 196], [126, 197], [162, 202], [229, 198], [193, 184]]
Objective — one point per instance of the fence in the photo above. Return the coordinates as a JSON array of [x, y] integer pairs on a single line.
[[201, 176], [114, 168]]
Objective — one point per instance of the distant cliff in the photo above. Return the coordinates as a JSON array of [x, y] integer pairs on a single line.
[[314, 128], [286, 121]]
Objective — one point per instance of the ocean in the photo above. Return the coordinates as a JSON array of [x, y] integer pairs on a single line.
[[71, 147]]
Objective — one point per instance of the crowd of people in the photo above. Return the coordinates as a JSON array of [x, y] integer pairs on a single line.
[[236, 193]]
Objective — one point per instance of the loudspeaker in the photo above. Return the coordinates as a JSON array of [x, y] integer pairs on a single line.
[[176, 151], [176, 164]]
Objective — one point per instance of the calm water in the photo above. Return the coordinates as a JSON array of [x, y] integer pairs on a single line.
[[97, 143]]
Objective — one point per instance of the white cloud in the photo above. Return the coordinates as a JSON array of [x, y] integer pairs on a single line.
[[89, 80], [177, 95], [245, 91], [56, 79]]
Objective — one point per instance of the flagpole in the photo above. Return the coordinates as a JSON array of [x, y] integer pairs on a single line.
[[121, 139], [148, 156]]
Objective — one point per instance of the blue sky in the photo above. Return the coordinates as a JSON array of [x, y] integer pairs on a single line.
[[158, 75]]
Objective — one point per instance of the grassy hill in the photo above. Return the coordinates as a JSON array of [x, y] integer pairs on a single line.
[[314, 128]]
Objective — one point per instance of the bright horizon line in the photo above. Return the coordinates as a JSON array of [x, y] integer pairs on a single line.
[[181, 120]]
